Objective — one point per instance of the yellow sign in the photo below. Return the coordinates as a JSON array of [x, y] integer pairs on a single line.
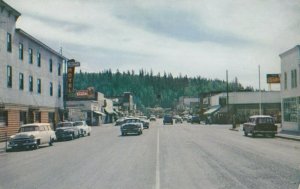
[[273, 78]]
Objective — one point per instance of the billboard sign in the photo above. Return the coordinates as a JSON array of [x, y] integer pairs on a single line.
[[273, 78], [73, 63]]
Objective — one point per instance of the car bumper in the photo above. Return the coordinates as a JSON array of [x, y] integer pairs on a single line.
[[130, 130], [264, 132], [22, 145], [64, 136]]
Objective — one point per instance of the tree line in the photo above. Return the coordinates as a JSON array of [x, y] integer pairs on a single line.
[[151, 90]]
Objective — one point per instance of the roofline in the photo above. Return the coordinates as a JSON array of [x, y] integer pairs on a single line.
[[9, 8], [22, 32], [288, 51]]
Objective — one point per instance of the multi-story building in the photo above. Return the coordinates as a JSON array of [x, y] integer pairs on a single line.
[[290, 89], [31, 78]]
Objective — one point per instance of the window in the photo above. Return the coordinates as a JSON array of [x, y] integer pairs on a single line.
[[21, 81], [51, 89], [8, 42], [294, 78], [30, 83], [290, 109], [3, 118], [37, 117], [50, 65], [39, 59], [39, 86], [23, 118], [59, 69], [59, 90], [285, 80], [9, 76], [21, 54], [30, 56]]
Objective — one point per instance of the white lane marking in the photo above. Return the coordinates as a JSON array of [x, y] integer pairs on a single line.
[[157, 180]]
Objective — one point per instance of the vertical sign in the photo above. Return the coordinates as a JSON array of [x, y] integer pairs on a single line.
[[70, 78]]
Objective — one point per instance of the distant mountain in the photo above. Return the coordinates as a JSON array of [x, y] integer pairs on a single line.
[[150, 90]]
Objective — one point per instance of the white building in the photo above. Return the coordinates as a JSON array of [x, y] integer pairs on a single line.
[[290, 89], [31, 78]]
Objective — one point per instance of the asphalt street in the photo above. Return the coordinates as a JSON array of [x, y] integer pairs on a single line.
[[171, 156]]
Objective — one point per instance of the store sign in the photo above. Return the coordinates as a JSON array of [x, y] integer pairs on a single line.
[[70, 79], [82, 93], [73, 63], [273, 78]]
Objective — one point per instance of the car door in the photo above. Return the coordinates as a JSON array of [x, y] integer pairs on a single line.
[[42, 134]]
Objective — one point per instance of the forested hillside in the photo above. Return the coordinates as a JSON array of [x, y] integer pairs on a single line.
[[149, 89]]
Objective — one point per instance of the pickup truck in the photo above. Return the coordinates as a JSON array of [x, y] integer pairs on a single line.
[[260, 124]]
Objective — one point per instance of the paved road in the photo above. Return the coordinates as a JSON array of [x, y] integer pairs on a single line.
[[178, 156]]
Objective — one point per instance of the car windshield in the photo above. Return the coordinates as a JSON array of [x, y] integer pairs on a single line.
[[28, 129], [66, 124], [132, 121], [79, 123], [265, 120]]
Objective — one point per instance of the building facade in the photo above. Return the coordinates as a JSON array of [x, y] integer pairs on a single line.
[[31, 81], [290, 89]]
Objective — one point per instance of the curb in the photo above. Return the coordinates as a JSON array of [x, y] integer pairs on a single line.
[[288, 138]]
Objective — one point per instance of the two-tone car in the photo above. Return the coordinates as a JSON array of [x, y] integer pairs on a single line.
[[67, 131], [83, 127], [132, 125], [31, 136], [260, 124]]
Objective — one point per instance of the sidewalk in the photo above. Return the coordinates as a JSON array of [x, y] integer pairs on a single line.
[[291, 135], [2, 147]]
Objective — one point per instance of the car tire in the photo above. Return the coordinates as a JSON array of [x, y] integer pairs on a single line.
[[253, 135], [36, 146], [245, 133], [89, 134], [51, 142]]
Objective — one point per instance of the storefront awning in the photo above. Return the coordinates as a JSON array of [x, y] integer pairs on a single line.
[[212, 110], [100, 113]]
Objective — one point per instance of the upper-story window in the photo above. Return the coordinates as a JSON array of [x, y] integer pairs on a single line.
[[8, 42], [50, 65], [9, 76], [21, 54], [21, 81], [39, 59], [39, 86], [59, 69], [285, 80], [59, 91], [30, 56], [294, 78], [30, 83], [51, 89]]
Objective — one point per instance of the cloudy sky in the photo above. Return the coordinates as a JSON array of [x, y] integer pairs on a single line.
[[191, 37]]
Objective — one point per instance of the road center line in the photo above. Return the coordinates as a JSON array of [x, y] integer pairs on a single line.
[[157, 180]]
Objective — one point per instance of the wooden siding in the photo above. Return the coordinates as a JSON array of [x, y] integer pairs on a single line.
[[44, 117], [13, 124]]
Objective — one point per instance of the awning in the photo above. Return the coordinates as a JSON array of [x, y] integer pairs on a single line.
[[100, 113], [212, 110], [108, 111], [224, 109]]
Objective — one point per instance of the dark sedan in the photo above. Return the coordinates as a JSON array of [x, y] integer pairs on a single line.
[[67, 130], [260, 124]]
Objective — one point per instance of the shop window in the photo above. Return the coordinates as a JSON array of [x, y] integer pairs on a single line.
[[39, 86], [9, 76], [8, 42], [30, 83], [290, 109], [21, 51], [21, 81], [23, 118], [3, 118]]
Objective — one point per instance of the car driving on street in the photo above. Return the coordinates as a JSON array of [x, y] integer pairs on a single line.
[[132, 125]]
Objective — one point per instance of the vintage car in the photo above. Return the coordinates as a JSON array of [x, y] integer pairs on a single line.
[[84, 129], [132, 125], [32, 136], [152, 118], [178, 119], [145, 122], [195, 119], [67, 130], [168, 119], [260, 124]]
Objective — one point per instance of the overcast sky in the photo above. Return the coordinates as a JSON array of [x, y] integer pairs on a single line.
[[191, 37]]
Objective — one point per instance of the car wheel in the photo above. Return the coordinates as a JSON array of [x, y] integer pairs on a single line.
[[72, 136], [245, 133], [36, 146], [272, 135], [89, 134], [253, 135], [51, 142]]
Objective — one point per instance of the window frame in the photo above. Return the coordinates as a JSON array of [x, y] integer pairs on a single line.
[[51, 89], [50, 65], [9, 76], [21, 51], [30, 83], [21, 81], [30, 56], [39, 86], [8, 42], [38, 59]]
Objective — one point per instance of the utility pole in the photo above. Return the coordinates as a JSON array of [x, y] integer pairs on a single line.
[[259, 90]]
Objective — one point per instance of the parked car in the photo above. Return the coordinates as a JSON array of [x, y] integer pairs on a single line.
[[145, 122], [195, 119], [168, 119], [132, 125], [178, 119], [260, 124], [32, 136], [67, 130], [152, 118], [84, 129]]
